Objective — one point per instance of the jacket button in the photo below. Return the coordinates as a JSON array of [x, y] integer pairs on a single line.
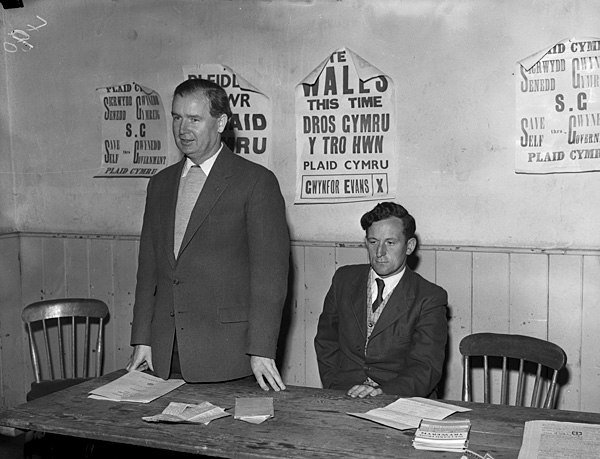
[[172, 314], [176, 281]]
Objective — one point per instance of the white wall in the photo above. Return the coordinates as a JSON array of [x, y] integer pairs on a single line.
[[7, 208], [452, 63]]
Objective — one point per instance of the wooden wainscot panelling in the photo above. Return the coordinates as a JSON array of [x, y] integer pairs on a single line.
[[32, 288], [12, 358], [529, 294], [490, 292], [424, 263], [101, 286], [453, 273], [125, 269], [77, 267], [547, 294], [53, 267], [490, 309], [348, 254], [564, 320], [77, 284], [590, 335], [528, 300], [293, 366], [318, 271]]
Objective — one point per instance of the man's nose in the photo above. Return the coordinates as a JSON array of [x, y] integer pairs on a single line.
[[380, 250], [183, 125]]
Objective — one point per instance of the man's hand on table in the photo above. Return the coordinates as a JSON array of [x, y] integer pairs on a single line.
[[141, 359], [265, 368]]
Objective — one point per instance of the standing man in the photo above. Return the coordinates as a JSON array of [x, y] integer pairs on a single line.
[[383, 328], [213, 258]]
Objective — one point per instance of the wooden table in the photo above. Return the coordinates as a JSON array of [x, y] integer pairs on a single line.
[[308, 423]]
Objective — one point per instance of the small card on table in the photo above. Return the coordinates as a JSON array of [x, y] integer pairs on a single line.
[[253, 409]]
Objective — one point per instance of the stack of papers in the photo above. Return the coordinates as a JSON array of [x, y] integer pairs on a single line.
[[434, 435], [135, 386], [406, 413], [254, 410], [176, 412]]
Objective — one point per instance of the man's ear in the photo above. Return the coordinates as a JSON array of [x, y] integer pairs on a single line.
[[411, 245], [221, 123]]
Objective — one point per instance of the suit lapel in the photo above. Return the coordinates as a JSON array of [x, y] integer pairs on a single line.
[[398, 304], [216, 182], [359, 299], [168, 203]]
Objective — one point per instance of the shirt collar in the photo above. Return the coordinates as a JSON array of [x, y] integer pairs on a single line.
[[206, 166], [390, 282]]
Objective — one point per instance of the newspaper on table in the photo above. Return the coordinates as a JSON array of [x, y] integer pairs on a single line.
[[176, 412], [135, 386], [407, 413], [564, 440], [443, 435]]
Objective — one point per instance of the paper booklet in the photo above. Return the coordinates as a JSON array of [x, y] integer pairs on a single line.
[[135, 386], [434, 435], [406, 413]]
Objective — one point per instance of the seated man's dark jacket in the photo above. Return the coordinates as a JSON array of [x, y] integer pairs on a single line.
[[406, 350]]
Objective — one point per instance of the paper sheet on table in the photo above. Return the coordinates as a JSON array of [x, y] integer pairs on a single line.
[[564, 440], [135, 386], [406, 413], [254, 409], [176, 412]]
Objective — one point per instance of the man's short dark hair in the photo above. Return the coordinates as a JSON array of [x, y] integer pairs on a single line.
[[218, 101], [385, 210]]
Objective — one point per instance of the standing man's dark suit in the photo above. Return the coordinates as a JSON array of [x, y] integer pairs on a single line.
[[405, 354], [383, 328], [220, 300]]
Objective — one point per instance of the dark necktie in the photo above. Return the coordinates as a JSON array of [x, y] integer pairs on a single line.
[[379, 299]]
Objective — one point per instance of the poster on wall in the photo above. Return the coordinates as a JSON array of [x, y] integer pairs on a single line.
[[345, 132], [558, 109], [133, 131], [249, 131]]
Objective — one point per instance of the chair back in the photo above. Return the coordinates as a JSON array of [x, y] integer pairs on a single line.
[[49, 321], [546, 358]]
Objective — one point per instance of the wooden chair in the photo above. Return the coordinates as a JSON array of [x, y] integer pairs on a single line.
[[510, 349], [51, 320]]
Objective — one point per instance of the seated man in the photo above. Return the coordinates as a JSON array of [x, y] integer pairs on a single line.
[[383, 328]]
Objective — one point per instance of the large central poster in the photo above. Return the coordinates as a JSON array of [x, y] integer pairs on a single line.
[[345, 132]]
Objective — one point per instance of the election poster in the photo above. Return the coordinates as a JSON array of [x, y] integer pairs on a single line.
[[345, 132], [134, 131], [248, 132], [558, 109]]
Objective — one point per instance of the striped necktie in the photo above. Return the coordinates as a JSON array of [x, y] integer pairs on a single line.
[[190, 187]]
